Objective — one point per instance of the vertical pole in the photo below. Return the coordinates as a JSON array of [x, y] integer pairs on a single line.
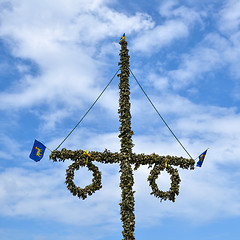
[[126, 178]]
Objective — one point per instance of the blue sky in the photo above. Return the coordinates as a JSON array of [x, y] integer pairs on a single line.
[[55, 59]]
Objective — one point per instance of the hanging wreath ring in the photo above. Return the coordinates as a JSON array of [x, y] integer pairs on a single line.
[[89, 189], [175, 182]]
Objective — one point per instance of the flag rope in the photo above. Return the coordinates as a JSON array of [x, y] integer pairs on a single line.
[[87, 110], [160, 115], [48, 148]]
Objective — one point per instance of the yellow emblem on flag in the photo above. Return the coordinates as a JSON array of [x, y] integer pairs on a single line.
[[39, 152]]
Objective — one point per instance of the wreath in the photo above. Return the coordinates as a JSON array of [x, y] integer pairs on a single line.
[[175, 182], [89, 189], [80, 160]]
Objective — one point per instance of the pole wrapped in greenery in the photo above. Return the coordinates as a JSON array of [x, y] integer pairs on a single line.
[[125, 158], [126, 178]]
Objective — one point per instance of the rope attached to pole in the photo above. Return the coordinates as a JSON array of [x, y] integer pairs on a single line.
[[160, 114], [87, 111]]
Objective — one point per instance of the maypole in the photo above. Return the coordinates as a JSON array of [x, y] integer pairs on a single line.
[[126, 159], [126, 178]]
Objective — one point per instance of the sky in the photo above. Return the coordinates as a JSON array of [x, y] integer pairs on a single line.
[[55, 59]]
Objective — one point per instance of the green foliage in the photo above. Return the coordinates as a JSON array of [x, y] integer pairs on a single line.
[[157, 162], [125, 158]]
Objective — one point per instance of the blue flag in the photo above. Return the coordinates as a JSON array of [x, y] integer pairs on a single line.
[[201, 158], [123, 38], [37, 151]]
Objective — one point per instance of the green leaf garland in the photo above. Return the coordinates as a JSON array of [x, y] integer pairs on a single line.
[[106, 157], [126, 159]]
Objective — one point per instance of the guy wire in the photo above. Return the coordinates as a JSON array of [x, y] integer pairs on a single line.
[[87, 110], [160, 115]]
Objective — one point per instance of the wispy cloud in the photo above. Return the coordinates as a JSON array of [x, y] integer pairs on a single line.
[[214, 52], [35, 195], [160, 36], [176, 24], [230, 17], [66, 61]]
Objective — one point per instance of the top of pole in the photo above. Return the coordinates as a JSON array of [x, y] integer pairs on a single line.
[[126, 177], [122, 39], [124, 100]]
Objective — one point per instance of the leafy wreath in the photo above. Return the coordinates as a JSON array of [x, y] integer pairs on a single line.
[[79, 160], [175, 178], [89, 189]]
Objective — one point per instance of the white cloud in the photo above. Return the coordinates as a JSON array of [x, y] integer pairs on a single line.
[[41, 194], [171, 9], [202, 60], [59, 41], [212, 54], [10, 148], [161, 83], [230, 17], [64, 41], [159, 36], [229, 23], [177, 23]]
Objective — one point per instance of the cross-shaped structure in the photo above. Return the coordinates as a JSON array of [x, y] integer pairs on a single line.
[[126, 158]]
